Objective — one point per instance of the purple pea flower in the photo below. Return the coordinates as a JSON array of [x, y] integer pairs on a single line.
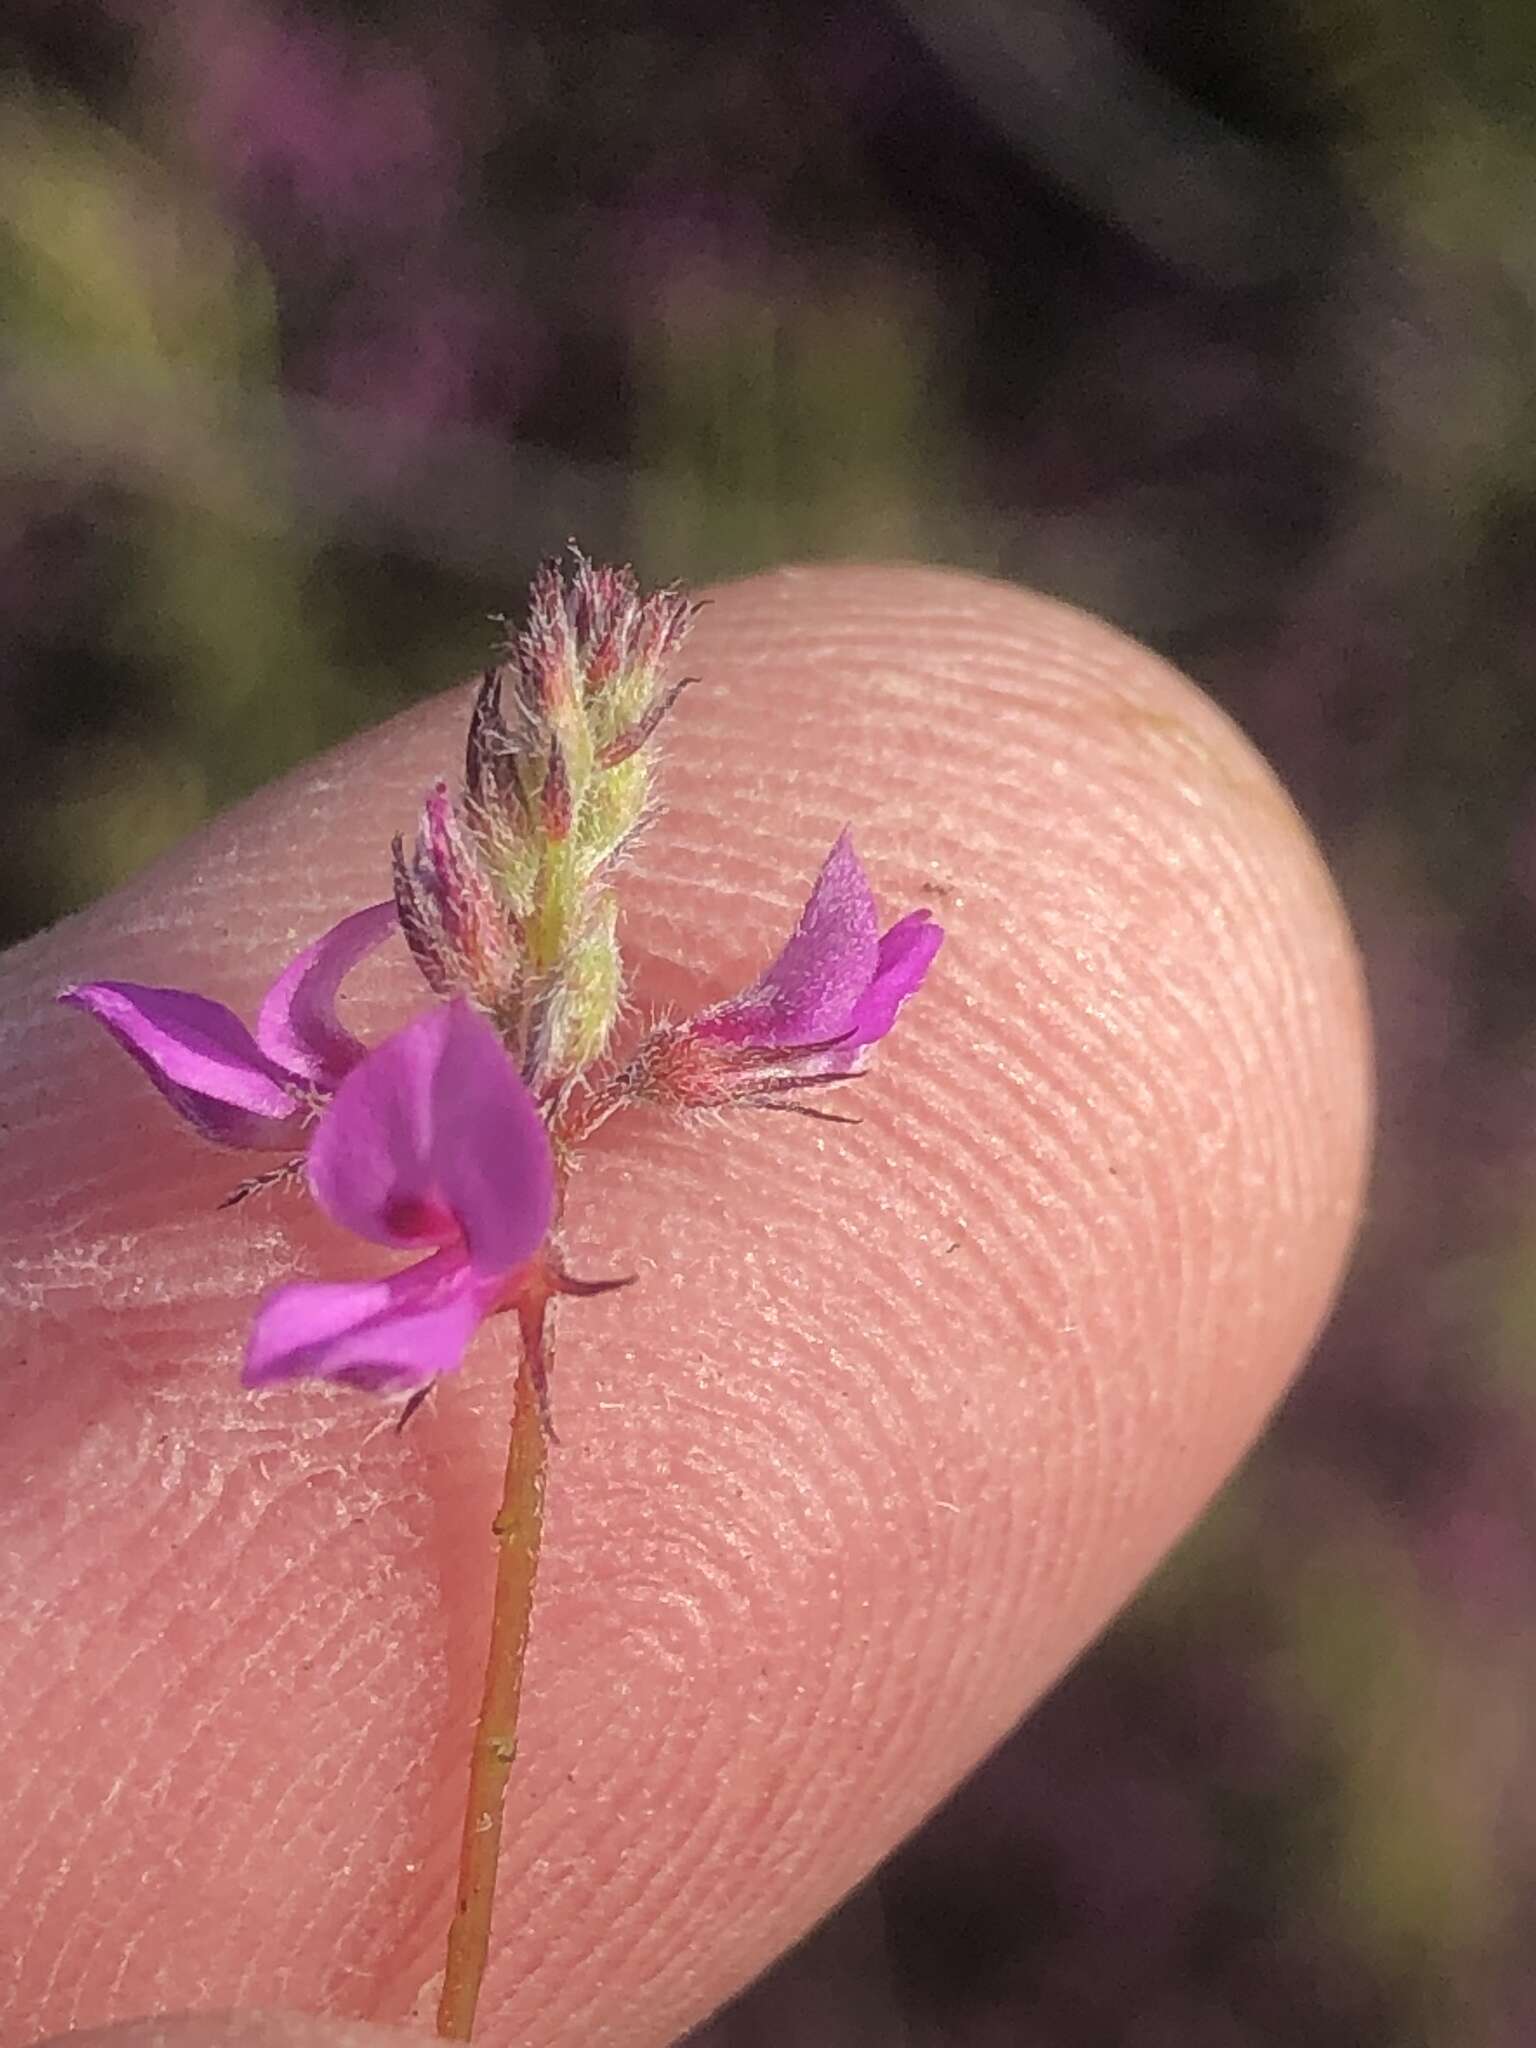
[[237, 1089], [812, 1017], [431, 1143]]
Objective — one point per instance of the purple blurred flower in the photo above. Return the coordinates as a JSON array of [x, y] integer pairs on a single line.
[[232, 1087], [431, 1142], [351, 152], [834, 991], [317, 122]]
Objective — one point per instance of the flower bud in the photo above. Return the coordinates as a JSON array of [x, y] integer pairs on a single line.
[[462, 934]]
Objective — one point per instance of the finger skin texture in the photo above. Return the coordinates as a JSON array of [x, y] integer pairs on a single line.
[[240, 2030], [895, 1418]]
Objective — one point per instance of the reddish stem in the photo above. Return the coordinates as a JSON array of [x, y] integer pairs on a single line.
[[517, 1529]]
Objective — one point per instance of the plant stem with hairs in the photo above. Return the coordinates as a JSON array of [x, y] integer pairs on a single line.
[[517, 1528]]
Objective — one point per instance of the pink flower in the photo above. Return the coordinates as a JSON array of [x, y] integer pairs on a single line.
[[234, 1088], [432, 1143], [833, 992]]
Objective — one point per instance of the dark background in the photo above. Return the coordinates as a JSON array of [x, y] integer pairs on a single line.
[[321, 325]]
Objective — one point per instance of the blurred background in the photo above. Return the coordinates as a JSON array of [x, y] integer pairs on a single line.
[[321, 324]]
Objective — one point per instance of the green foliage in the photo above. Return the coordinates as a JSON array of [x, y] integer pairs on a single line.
[[132, 300], [809, 425]]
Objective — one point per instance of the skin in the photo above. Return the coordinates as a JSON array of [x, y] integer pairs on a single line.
[[895, 1420]]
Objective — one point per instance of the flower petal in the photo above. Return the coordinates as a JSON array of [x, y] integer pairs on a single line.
[[810, 991], [433, 1139], [297, 1027], [906, 953], [200, 1057], [385, 1335]]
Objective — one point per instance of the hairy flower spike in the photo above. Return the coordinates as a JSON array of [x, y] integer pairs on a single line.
[[506, 899]]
